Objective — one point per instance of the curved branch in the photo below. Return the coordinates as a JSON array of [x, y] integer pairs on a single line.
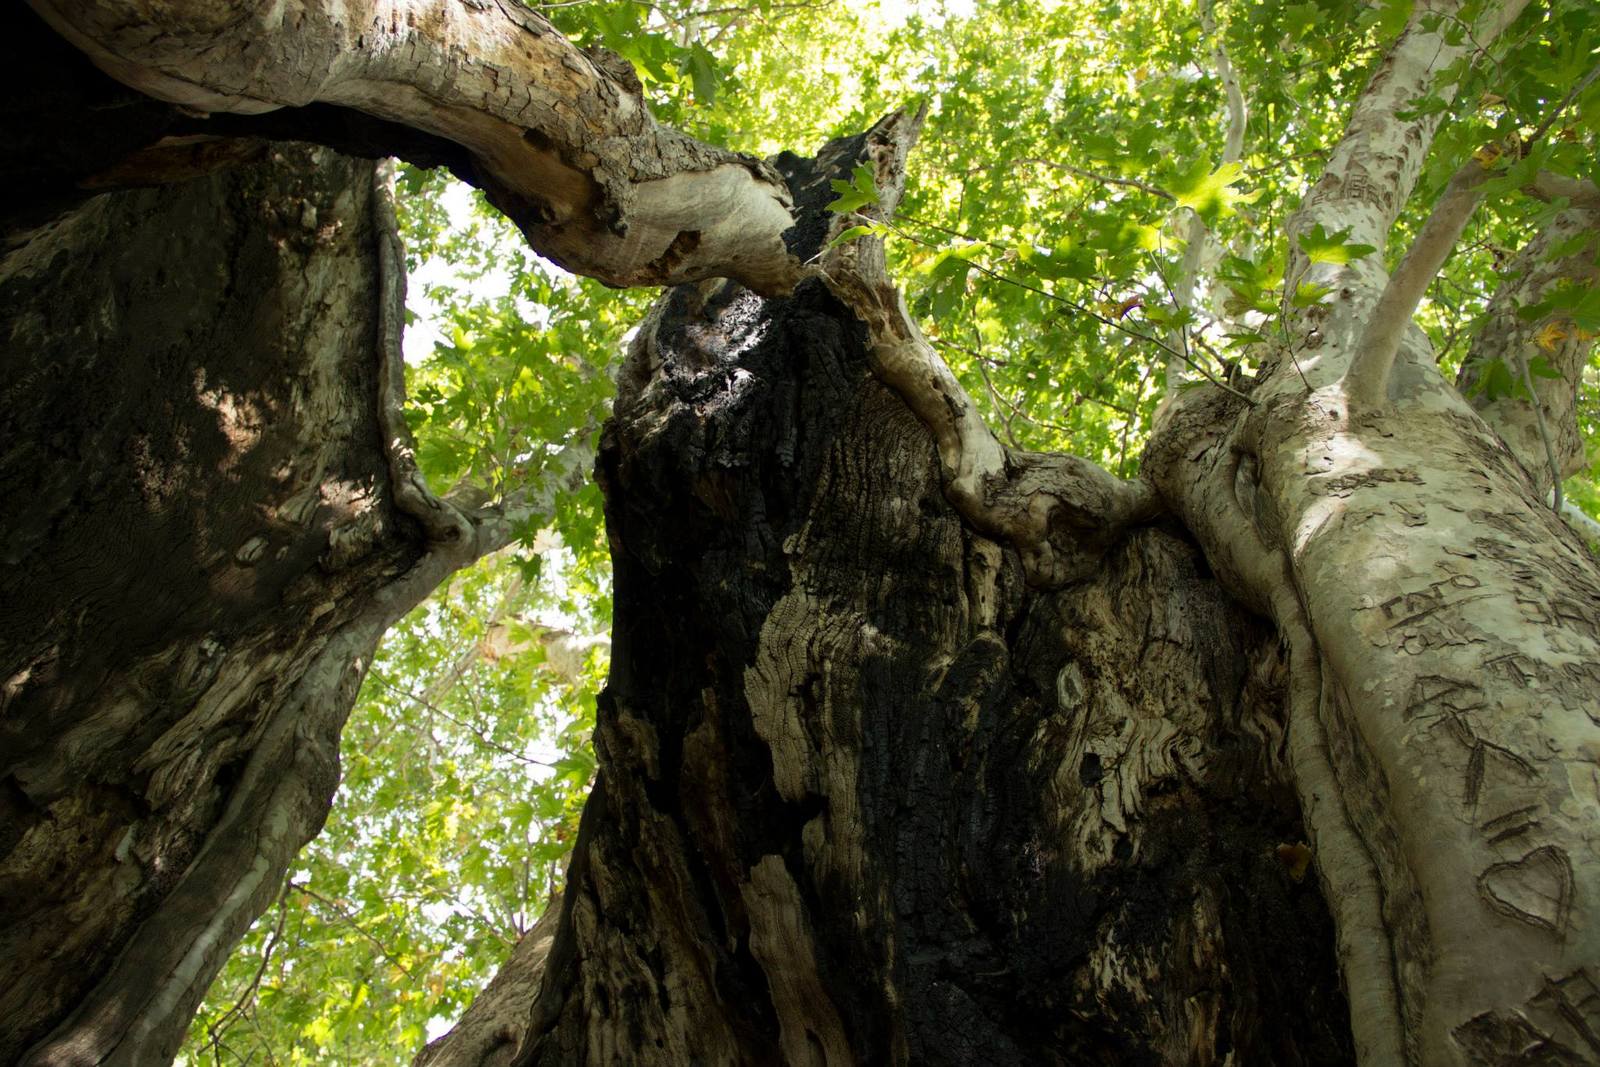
[[1058, 511], [559, 138], [1377, 162], [1367, 380], [440, 520]]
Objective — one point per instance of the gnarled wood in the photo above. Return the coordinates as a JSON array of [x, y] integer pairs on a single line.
[[560, 138], [867, 796]]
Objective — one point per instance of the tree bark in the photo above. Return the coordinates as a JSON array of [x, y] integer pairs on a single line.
[[915, 748], [866, 795], [559, 137]]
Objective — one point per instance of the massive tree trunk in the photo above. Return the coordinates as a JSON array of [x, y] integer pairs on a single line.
[[867, 795], [207, 534], [916, 749], [200, 519]]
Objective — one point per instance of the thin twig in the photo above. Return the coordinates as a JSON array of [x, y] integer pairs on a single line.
[[1075, 306], [1544, 435], [1104, 179], [475, 731], [1566, 101], [217, 1029], [350, 921]]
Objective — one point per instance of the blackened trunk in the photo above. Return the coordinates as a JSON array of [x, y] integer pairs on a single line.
[[867, 797], [198, 516]]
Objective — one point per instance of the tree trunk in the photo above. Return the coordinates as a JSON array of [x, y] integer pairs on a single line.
[[201, 551], [916, 749], [866, 795]]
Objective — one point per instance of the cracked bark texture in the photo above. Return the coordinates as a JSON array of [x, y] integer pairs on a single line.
[[199, 525], [868, 797]]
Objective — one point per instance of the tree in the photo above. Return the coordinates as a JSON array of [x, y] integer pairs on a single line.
[[918, 745]]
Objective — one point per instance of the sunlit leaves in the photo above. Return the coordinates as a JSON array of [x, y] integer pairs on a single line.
[[1320, 246], [1210, 193], [853, 195], [1047, 211]]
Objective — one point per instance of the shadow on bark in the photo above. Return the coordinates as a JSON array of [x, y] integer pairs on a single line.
[[865, 796], [199, 515]]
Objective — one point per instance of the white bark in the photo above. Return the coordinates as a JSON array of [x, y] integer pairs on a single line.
[[561, 137]]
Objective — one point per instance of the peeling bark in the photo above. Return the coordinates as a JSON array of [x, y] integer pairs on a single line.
[[915, 749], [869, 796], [559, 137], [202, 519]]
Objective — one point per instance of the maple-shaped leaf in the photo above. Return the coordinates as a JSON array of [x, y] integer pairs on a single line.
[[1210, 193], [1320, 246]]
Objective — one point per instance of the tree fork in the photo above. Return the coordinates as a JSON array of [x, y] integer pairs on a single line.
[[881, 799]]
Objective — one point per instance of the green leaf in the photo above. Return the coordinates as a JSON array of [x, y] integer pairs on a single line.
[[1495, 380], [1540, 367], [1210, 193], [701, 66], [855, 232], [949, 285], [859, 192], [1320, 246], [1309, 294]]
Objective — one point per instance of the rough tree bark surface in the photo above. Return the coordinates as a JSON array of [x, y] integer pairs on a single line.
[[867, 797], [199, 517], [915, 749]]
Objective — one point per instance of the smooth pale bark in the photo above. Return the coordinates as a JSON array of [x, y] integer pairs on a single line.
[[559, 137], [1448, 756]]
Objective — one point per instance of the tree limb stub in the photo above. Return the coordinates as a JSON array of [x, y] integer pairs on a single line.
[[561, 144], [1058, 511]]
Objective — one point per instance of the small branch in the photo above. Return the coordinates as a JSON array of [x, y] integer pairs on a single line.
[[482, 737], [1544, 434], [349, 920], [1548, 186], [1016, 497], [1367, 380], [1566, 102], [1578, 519], [440, 521], [1232, 150], [1103, 179]]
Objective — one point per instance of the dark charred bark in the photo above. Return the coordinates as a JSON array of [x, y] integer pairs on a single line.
[[865, 795], [198, 520], [74, 132]]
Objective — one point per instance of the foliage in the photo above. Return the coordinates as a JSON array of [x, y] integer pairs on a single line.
[[1041, 240]]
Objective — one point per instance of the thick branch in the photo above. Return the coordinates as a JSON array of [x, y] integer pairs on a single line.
[[493, 1024], [441, 521], [560, 138], [1367, 380], [1376, 164], [1058, 511]]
